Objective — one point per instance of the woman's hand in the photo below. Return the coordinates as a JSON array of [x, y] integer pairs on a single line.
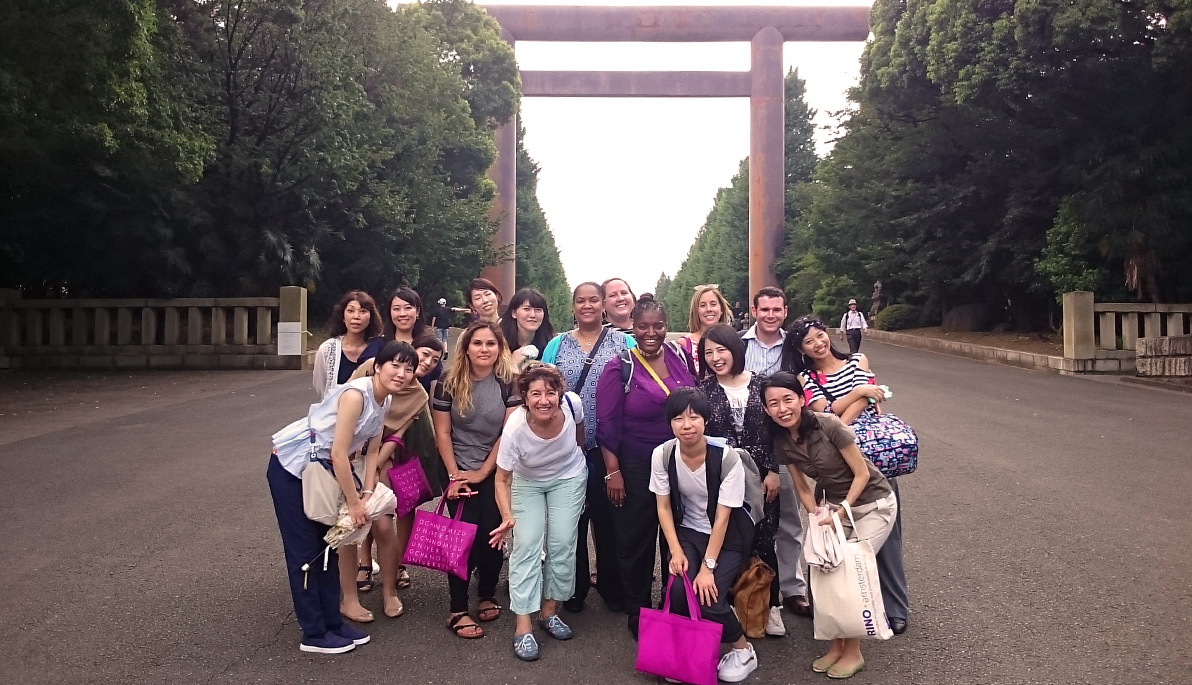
[[705, 586], [497, 537], [826, 517], [356, 512], [458, 488], [771, 486], [871, 392], [471, 477], [678, 563], [614, 485]]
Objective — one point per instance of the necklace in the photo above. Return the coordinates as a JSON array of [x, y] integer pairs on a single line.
[[585, 344]]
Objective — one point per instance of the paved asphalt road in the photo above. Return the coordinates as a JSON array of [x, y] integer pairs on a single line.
[[1047, 541]]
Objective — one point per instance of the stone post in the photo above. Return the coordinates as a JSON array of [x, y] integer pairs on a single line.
[[1079, 342], [291, 323], [767, 165]]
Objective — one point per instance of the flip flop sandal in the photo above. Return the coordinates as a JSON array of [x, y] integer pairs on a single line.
[[493, 612], [454, 626], [403, 578], [366, 584]]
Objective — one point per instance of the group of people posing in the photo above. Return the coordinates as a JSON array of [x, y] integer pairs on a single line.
[[608, 428]]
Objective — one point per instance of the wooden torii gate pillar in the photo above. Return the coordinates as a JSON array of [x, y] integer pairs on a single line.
[[765, 28]]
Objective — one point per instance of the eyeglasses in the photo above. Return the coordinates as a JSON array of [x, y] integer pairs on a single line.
[[709, 286]]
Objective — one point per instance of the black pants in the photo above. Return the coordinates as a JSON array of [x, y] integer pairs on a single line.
[[598, 513], [854, 340], [484, 561], [636, 523], [764, 545], [891, 572], [728, 567], [315, 592]]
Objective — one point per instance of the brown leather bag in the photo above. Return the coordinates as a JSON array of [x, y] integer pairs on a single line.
[[751, 597]]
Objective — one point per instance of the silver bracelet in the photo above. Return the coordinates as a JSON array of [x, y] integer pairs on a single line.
[[612, 474]]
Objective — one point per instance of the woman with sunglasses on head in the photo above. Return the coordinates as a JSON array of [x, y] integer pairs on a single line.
[[470, 408], [527, 326], [580, 354], [541, 476], [631, 421], [845, 385], [351, 414], [708, 308], [738, 415], [821, 447]]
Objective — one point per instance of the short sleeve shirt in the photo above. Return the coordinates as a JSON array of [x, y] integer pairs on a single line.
[[534, 458], [820, 459], [693, 487], [474, 433]]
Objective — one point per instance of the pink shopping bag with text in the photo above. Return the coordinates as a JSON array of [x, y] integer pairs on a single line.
[[440, 542]]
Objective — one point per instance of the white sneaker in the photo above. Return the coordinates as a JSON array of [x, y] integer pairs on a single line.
[[737, 664], [774, 625]]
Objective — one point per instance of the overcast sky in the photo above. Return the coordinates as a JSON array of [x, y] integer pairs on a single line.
[[627, 182]]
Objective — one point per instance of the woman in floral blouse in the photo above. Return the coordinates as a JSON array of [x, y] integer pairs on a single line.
[[739, 416]]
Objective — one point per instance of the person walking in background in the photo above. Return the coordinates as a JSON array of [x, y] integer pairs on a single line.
[[580, 355], [694, 511], [338, 425], [819, 446], [630, 423], [619, 302], [527, 326], [485, 300], [735, 401], [708, 308], [763, 356], [441, 320], [853, 326], [470, 407], [844, 385], [542, 478], [354, 322]]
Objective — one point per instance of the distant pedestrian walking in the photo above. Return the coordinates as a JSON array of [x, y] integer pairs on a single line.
[[442, 320], [853, 326]]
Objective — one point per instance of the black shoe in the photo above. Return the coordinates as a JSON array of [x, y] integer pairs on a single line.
[[574, 605], [633, 627], [898, 625], [615, 605]]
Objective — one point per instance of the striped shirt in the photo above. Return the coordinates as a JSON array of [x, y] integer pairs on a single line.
[[759, 358], [833, 386]]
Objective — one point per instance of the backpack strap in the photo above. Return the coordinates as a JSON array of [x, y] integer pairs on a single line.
[[626, 369], [672, 473]]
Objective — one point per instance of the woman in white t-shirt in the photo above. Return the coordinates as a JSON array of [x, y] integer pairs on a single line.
[[701, 543], [541, 475]]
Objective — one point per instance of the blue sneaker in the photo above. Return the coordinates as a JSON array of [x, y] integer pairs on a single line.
[[357, 636], [525, 647], [557, 629], [328, 644]]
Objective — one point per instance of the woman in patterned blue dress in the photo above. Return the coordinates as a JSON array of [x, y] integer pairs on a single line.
[[580, 355]]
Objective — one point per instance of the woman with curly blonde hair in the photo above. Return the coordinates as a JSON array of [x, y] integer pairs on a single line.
[[470, 407]]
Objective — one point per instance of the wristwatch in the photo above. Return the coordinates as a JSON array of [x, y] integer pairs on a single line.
[[710, 563]]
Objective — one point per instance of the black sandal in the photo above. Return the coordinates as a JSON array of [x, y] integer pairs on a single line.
[[481, 612], [454, 626], [366, 584]]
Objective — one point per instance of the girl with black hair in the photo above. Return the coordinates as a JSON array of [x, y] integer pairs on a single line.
[[737, 414], [527, 325], [630, 422], [354, 323], [820, 447], [845, 385]]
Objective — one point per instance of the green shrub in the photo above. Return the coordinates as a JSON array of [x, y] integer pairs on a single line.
[[897, 317]]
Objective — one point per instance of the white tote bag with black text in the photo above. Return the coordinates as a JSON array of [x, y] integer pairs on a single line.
[[848, 598]]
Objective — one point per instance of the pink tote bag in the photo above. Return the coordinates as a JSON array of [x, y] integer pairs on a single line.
[[410, 486], [439, 542], [681, 648]]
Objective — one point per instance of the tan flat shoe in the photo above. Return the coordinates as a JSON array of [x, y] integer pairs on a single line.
[[365, 616], [401, 609]]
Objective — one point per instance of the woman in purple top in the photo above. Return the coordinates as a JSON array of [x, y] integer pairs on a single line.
[[630, 423]]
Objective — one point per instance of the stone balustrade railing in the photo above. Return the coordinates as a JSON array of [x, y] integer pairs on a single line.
[[1103, 337], [154, 333]]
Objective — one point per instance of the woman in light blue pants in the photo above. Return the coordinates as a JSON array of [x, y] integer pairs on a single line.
[[541, 485]]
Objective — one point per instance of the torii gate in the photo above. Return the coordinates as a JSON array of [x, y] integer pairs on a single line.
[[766, 28]]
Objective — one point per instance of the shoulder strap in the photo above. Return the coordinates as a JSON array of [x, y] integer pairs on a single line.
[[583, 375], [571, 407], [650, 370], [626, 369]]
